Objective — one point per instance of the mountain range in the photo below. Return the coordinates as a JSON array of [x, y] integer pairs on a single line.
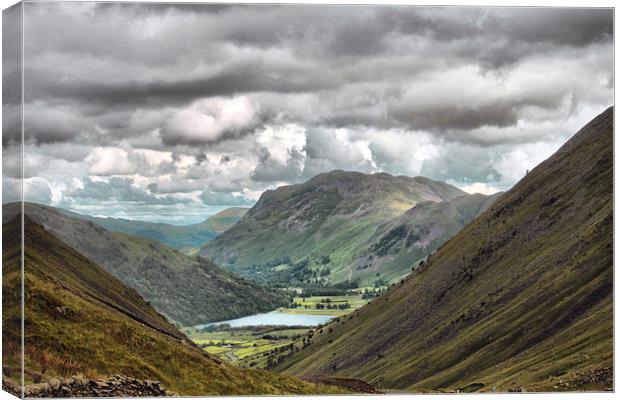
[[185, 238], [336, 227], [519, 299], [187, 290]]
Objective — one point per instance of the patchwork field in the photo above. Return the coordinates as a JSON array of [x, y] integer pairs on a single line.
[[251, 347]]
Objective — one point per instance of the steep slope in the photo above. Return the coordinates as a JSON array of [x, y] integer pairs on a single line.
[[81, 320], [185, 237], [402, 243], [321, 224], [187, 290], [521, 297]]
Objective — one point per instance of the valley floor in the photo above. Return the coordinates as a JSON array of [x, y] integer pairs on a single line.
[[261, 346]]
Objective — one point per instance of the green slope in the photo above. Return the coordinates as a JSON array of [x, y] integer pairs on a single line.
[[187, 290], [185, 237], [521, 297], [297, 231], [81, 320], [402, 243]]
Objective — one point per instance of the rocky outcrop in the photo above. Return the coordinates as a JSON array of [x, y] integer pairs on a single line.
[[114, 386]]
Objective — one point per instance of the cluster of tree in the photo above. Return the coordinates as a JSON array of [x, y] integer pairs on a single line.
[[324, 291], [215, 328], [341, 306], [380, 282], [298, 273], [274, 337], [274, 359]]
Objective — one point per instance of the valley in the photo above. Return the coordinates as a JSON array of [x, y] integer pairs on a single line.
[[520, 299], [258, 341], [206, 199], [402, 284]]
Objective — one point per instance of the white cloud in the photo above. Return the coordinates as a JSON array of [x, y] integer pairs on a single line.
[[208, 120], [280, 141], [105, 161], [513, 165], [479, 187]]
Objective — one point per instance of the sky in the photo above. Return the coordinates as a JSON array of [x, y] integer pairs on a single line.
[[170, 113]]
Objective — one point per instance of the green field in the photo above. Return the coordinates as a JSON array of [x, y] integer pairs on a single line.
[[253, 347], [333, 305]]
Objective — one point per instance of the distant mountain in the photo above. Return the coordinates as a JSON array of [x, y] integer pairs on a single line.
[[81, 320], [314, 232], [520, 298], [402, 243], [184, 237], [187, 290]]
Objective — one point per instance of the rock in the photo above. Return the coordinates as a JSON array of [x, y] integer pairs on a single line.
[[101, 384], [54, 383], [78, 386], [32, 391], [45, 387]]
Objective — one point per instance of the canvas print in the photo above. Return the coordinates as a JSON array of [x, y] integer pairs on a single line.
[[233, 199]]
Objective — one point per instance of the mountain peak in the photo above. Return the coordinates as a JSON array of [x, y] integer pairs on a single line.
[[332, 210]]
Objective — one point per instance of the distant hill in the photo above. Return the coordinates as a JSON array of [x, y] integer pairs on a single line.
[[403, 242], [225, 219], [521, 297], [316, 232], [187, 290], [184, 237], [81, 320]]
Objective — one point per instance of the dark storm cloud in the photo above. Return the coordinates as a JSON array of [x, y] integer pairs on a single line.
[[151, 56], [206, 102], [238, 79]]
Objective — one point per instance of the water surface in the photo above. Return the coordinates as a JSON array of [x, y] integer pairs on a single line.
[[274, 318]]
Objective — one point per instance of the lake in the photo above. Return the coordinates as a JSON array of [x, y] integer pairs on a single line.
[[274, 318]]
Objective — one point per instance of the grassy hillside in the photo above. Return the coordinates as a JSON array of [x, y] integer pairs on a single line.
[[187, 290], [311, 232], [402, 243], [81, 320], [224, 219], [184, 238], [521, 297]]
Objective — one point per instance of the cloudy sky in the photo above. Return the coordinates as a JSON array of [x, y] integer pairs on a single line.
[[171, 113]]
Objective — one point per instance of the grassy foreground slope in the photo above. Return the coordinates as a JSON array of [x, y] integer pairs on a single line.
[[184, 237], [319, 225], [81, 320], [187, 290], [521, 297]]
